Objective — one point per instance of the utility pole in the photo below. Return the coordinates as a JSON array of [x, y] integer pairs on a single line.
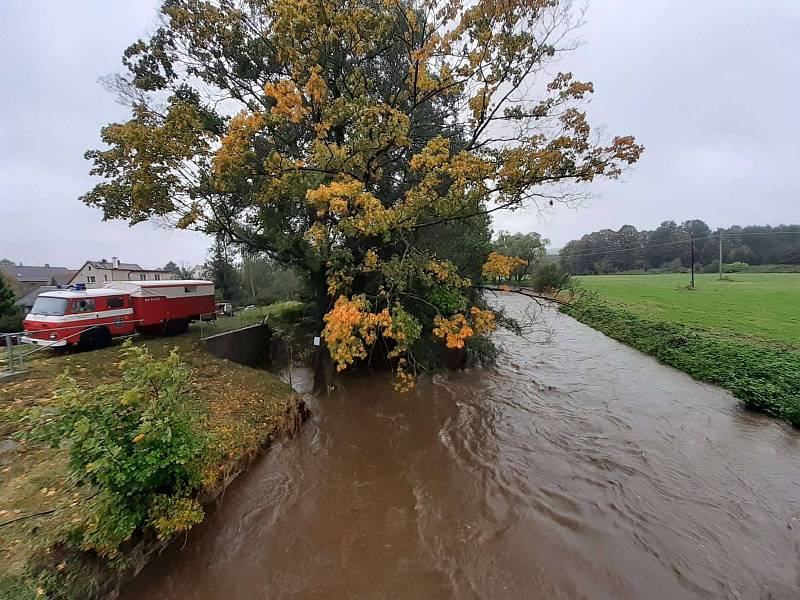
[[720, 255], [692, 240]]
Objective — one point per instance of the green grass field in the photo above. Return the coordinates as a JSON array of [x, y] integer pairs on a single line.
[[760, 307]]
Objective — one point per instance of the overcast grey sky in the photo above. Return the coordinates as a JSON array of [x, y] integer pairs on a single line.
[[710, 87]]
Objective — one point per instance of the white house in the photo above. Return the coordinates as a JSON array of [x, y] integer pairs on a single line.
[[95, 273]]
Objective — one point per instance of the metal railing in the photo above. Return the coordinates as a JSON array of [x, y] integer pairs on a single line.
[[13, 359], [15, 353], [213, 326]]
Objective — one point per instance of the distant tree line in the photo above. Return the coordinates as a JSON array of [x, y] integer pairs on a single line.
[[241, 278], [669, 247]]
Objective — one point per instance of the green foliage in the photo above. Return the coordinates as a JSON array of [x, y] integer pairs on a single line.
[[351, 136], [285, 313], [223, 272], [265, 281], [765, 379], [608, 251], [527, 246], [465, 243], [773, 269], [170, 515], [11, 323], [735, 267], [7, 307], [180, 272], [550, 277], [138, 444]]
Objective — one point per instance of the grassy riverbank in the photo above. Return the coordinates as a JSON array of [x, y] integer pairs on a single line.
[[760, 307], [242, 411], [741, 335]]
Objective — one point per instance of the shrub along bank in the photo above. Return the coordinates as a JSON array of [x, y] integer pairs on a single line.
[[119, 453], [765, 379]]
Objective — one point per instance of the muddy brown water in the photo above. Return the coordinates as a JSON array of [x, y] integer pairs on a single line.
[[576, 468]]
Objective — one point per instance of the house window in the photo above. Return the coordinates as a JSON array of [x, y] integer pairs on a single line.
[[90, 279], [142, 276], [115, 302], [105, 277], [89, 268], [157, 277]]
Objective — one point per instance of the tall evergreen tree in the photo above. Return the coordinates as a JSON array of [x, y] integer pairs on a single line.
[[7, 306]]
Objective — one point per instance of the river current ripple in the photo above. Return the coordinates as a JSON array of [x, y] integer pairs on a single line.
[[575, 468]]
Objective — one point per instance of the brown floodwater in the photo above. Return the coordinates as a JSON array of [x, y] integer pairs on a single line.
[[575, 468]]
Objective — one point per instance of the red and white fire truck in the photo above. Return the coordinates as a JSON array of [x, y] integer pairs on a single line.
[[89, 318]]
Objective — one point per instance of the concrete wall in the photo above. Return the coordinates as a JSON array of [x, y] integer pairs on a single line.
[[249, 346]]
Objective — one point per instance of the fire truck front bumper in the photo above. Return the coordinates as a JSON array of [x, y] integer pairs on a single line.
[[51, 343]]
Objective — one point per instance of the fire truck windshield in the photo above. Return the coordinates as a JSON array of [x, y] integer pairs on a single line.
[[49, 306]]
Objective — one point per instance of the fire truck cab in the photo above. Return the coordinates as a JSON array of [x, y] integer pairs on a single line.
[[89, 318]]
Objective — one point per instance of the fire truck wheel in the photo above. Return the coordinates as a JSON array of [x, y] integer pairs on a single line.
[[94, 339], [177, 326]]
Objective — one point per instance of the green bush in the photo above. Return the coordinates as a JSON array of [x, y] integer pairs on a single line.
[[11, 324], [139, 444], [549, 276], [286, 313], [735, 267]]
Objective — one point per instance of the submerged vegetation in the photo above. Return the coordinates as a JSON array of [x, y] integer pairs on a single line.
[[764, 376]]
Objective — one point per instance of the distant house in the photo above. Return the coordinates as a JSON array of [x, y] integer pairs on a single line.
[[95, 273], [26, 302], [24, 279]]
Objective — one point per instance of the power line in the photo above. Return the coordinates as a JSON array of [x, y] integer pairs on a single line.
[[676, 242]]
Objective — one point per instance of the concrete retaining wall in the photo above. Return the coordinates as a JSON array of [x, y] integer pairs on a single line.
[[249, 346]]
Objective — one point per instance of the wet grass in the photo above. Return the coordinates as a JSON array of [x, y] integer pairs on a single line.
[[280, 314], [245, 409], [756, 307], [766, 377]]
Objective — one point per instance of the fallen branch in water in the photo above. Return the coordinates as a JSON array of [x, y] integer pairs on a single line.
[[527, 292]]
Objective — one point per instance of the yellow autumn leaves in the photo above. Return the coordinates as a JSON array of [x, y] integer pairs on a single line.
[[356, 211], [501, 266], [458, 328], [350, 327]]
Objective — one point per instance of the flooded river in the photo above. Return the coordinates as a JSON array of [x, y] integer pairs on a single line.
[[576, 468]]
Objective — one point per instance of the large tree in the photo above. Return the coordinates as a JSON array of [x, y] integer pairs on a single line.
[[221, 269], [530, 247], [334, 135]]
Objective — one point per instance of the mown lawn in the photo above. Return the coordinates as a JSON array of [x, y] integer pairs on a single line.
[[760, 307]]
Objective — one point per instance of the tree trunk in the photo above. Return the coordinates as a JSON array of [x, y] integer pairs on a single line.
[[322, 361], [323, 370]]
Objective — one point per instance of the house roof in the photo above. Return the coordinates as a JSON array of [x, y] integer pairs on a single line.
[[99, 264], [24, 273], [28, 299]]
